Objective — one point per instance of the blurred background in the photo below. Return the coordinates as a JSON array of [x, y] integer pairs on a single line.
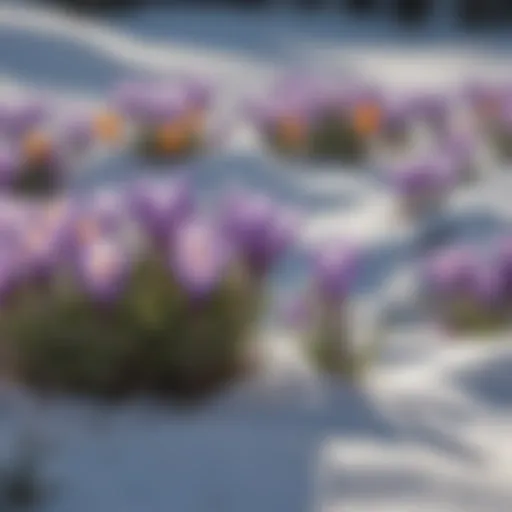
[[432, 431]]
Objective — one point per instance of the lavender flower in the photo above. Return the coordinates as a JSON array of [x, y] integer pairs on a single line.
[[335, 270], [260, 231], [102, 269], [199, 258]]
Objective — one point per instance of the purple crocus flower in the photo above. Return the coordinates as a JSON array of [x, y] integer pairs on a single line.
[[199, 257], [104, 214], [460, 149], [503, 264], [489, 288], [161, 206], [259, 230], [453, 273], [505, 117], [433, 108], [41, 250], [335, 270], [76, 132], [11, 274], [396, 115], [130, 98], [428, 177], [102, 269], [26, 114], [58, 218], [163, 104], [12, 220], [483, 97], [198, 92], [10, 162]]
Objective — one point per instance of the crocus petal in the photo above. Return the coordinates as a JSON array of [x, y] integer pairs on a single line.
[[102, 269], [9, 165], [160, 206], [257, 228], [335, 270], [199, 257], [453, 271]]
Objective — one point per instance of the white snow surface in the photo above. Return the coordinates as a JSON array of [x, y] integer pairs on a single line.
[[429, 432]]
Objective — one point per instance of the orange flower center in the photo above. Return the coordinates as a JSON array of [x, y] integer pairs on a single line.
[[367, 119], [172, 137], [37, 146], [108, 126], [291, 130]]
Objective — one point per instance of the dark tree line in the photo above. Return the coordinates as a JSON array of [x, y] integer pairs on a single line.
[[470, 13]]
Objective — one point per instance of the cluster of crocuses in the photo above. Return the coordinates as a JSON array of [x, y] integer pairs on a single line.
[[307, 118], [469, 291], [39, 144], [164, 119], [344, 119], [137, 290]]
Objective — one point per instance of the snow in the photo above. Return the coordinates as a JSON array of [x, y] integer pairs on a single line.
[[430, 429]]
